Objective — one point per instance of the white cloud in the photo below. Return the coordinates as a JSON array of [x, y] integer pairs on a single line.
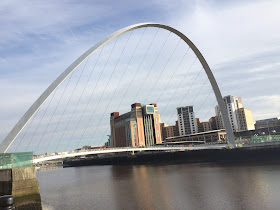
[[261, 103]]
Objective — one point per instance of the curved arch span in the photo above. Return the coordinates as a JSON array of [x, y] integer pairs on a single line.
[[37, 104]]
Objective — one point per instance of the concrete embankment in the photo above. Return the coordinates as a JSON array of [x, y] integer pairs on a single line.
[[23, 184]]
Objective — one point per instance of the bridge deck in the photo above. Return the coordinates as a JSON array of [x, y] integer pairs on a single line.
[[123, 149]]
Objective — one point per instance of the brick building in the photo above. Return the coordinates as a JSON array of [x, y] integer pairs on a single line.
[[139, 127]]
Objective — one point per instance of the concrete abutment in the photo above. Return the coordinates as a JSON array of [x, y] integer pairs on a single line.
[[23, 184]]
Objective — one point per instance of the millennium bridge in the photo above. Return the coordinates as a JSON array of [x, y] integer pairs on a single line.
[[38, 129]]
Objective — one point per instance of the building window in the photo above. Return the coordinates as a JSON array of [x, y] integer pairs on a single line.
[[179, 111]]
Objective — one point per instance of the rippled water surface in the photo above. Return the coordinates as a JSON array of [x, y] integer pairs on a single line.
[[180, 186]]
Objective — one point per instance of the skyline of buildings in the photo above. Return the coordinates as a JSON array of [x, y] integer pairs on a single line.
[[142, 126], [186, 120]]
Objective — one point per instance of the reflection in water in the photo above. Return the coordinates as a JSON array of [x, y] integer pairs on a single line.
[[181, 186], [49, 167]]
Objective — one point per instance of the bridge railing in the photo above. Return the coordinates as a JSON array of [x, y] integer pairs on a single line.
[[251, 140], [121, 149]]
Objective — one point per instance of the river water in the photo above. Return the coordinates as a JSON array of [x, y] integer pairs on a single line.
[[177, 186]]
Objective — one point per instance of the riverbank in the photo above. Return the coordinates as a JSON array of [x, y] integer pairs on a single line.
[[192, 156]]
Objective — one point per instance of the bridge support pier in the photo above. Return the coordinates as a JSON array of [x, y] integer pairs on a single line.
[[23, 185]]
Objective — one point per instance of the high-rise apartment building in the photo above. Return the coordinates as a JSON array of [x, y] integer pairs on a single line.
[[186, 120], [232, 105], [246, 119], [240, 118], [139, 127]]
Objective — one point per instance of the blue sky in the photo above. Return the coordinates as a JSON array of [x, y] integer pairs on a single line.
[[39, 39]]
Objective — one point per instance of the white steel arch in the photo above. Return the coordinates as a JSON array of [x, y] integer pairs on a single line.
[[6, 143]]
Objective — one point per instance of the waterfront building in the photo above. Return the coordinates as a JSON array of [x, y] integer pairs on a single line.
[[216, 136], [199, 126], [151, 119], [163, 131], [267, 123], [233, 104], [169, 131], [186, 120], [206, 126], [246, 119], [139, 127], [213, 123], [176, 128], [240, 117], [136, 115], [219, 119]]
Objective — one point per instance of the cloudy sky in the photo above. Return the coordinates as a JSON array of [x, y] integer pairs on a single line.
[[239, 39]]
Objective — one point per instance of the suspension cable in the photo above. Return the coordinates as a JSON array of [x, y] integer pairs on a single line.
[[96, 128], [69, 101], [176, 90], [55, 112], [134, 76], [40, 121], [174, 72], [211, 107], [129, 63], [59, 121], [187, 92], [199, 91], [204, 100], [87, 102], [106, 130], [26, 130], [151, 67], [79, 98], [168, 60], [103, 70]]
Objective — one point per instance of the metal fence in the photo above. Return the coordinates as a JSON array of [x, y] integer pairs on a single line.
[[257, 139], [16, 160], [265, 138]]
